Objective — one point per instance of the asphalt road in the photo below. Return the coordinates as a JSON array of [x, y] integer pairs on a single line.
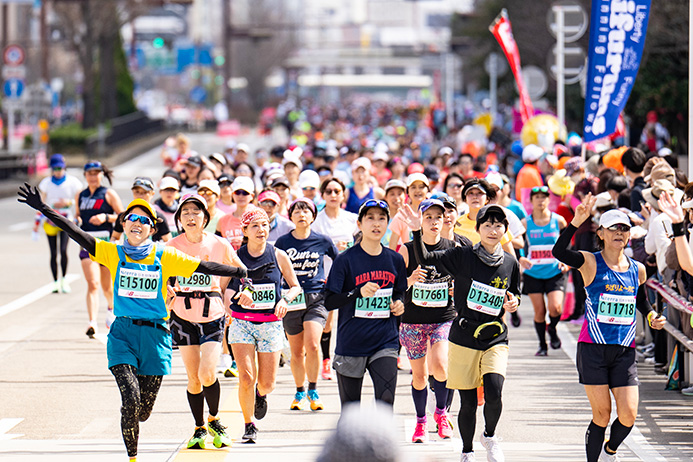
[[58, 401]]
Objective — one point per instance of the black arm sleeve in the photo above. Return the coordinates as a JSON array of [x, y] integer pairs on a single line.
[[217, 269], [641, 301], [562, 253], [87, 241], [334, 301], [443, 260]]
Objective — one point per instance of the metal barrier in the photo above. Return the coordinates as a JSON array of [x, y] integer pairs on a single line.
[[123, 129], [678, 319]]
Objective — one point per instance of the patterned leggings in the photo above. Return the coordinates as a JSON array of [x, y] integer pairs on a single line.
[[138, 393]]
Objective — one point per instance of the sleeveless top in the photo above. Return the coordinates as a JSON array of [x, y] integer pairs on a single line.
[[267, 291], [94, 204], [610, 305], [354, 202], [137, 289], [541, 241]]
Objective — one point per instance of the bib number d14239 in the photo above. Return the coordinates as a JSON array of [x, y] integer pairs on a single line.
[[616, 309], [485, 299], [134, 283], [375, 307]]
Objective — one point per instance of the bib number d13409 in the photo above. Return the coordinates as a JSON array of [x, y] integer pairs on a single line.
[[485, 299]]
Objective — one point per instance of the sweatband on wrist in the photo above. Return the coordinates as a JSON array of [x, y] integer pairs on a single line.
[[678, 229]]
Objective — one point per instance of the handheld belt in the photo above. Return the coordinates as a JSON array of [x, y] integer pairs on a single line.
[[198, 295]]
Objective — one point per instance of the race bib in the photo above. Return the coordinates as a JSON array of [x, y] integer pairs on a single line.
[[104, 235], [377, 306], [134, 283], [264, 297], [430, 295], [485, 299], [541, 254], [298, 303], [196, 282], [616, 309]]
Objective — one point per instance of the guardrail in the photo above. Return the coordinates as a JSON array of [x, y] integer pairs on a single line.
[[123, 129], [16, 163], [678, 321]]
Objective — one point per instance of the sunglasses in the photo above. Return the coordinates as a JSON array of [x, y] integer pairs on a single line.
[[57, 169], [93, 166], [540, 189], [241, 192], [332, 191], [146, 184], [455, 185], [619, 227], [206, 192], [309, 188], [133, 217]]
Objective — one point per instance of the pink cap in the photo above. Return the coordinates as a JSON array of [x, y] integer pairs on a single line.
[[269, 196]]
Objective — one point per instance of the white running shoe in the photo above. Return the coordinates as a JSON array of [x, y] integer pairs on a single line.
[[468, 457], [687, 391], [606, 457], [110, 317], [494, 453], [64, 286]]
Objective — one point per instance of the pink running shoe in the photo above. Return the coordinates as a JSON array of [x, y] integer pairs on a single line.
[[420, 432], [443, 425]]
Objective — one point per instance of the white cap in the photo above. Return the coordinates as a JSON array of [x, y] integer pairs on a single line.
[[531, 153], [243, 147], [361, 162], [381, 155], [309, 179], [445, 150], [603, 200], [495, 179], [244, 183], [169, 182], [664, 152], [218, 157], [614, 217], [212, 185], [411, 179], [687, 204], [291, 158]]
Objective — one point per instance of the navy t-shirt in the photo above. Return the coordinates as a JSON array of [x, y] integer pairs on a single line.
[[307, 256], [357, 336]]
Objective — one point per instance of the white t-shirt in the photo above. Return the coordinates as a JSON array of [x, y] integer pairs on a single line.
[[67, 190], [340, 229]]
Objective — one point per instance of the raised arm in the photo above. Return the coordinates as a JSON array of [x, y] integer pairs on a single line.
[[443, 260], [675, 212], [30, 195]]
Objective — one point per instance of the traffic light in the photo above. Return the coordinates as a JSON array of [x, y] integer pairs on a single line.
[[158, 42]]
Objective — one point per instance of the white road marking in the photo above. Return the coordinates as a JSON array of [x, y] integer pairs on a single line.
[[103, 338], [31, 297], [7, 425], [20, 226]]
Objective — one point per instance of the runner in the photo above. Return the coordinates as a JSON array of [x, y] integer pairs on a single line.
[[486, 286], [98, 209], [449, 219], [307, 314], [367, 283], [428, 315], [143, 188], [362, 189], [417, 189], [210, 191], [58, 191], [225, 203], [139, 343], [167, 204], [229, 226], [257, 310], [543, 274], [198, 317], [606, 346], [269, 202], [340, 226]]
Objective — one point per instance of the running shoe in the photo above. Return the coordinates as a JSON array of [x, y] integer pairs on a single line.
[[515, 319], [260, 405], [494, 453], [250, 434], [687, 391], [218, 431], [327, 369], [606, 457], [91, 332], [443, 426], [542, 351], [110, 317], [315, 403], [65, 287], [198, 439], [232, 371], [299, 400], [468, 457], [420, 432], [555, 341], [56, 287]]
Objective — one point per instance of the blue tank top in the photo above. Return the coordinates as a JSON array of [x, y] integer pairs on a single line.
[[267, 290], [94, 204], [541, 240], [354, 202], [610, 305], [137, 290]]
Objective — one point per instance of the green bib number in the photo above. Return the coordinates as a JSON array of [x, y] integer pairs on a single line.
[[430, 295], [374, 307], [134, 283], [298, 303], [196, 282], [616, 309], [485, 299], [264, 297]]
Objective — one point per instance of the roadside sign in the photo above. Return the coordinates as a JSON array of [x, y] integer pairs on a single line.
[[13, 88], [198, 94], [14, 72], [13, 55]]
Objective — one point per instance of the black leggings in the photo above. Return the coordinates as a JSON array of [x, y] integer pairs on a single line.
[[138, 393], [53, 244], [383, 373], [466, 420]]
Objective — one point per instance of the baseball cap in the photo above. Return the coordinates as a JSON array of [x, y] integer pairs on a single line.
[[143, 182], [447, 201], [243, 147], [495, 179], [428, 203], [269, 195], [57, 161], [169, 182], [194, 160], [199, 200], [432, 172], [445, 150], [411, 179], [415, 168], [280, 181], [292, 159], [395, 184], [381, 155], [244, 183], [142, 204], [309, 179], [93, 165], [224, 178], [488, 210], [212, 185], [218, 157], [614, 217], [531, 153], [361, 162], [373, 203]]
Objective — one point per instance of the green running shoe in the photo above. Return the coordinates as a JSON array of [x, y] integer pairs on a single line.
[[198, 439], [218, 431]]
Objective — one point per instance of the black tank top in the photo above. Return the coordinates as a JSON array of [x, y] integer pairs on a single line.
[[94, 204]]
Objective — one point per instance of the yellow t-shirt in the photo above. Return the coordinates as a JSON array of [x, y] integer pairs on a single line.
[[467, 227], [173, 262]]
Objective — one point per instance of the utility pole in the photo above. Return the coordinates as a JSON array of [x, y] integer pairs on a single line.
[[44, 42], [226, 37]]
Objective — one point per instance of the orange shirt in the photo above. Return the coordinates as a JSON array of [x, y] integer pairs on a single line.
[[231, 229], [528, 177]]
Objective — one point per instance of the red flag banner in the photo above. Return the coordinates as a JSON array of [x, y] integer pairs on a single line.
[[503, 32]]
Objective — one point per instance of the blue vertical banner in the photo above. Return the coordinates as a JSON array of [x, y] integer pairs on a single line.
[[617, 38]]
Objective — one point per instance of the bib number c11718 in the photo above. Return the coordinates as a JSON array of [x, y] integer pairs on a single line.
[[616, 309]]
